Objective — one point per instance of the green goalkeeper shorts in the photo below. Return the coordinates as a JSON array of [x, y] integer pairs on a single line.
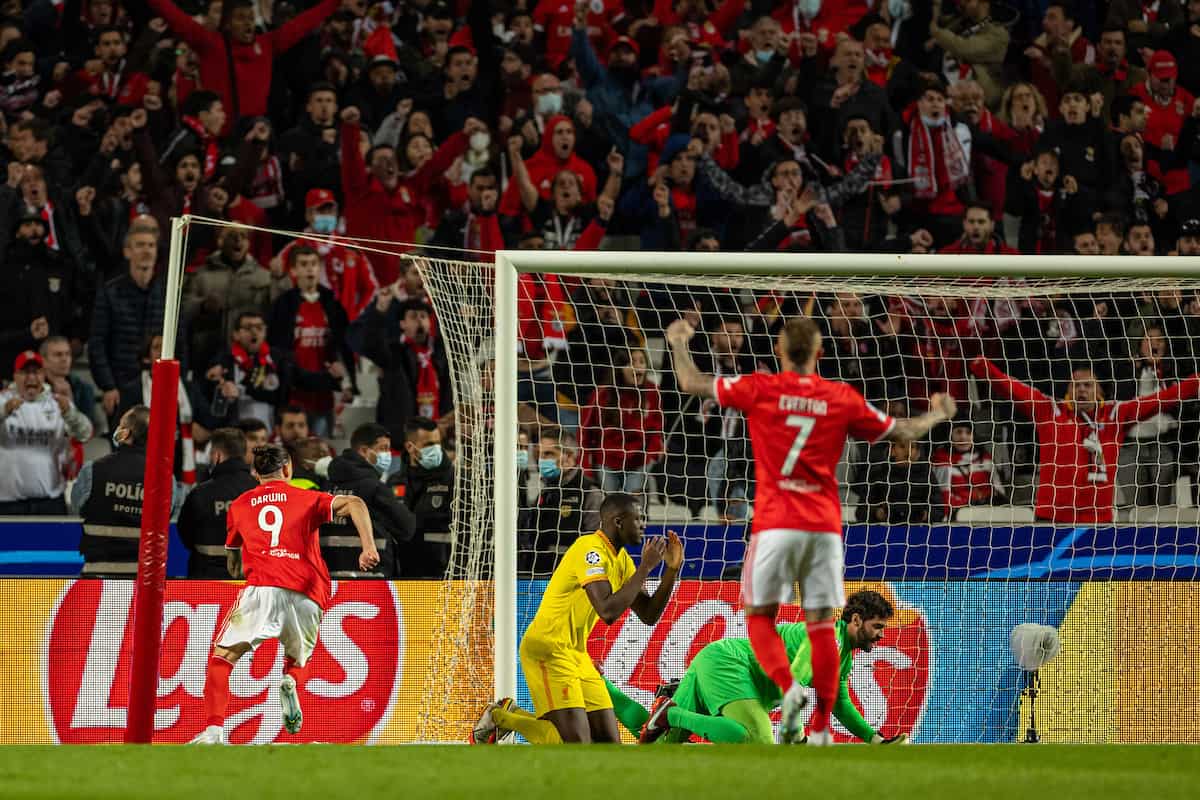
[[720, 673]]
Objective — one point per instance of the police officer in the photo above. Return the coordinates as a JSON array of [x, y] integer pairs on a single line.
[[108, 495], [428, 481], [359, 471], [202, 518], [567, 505]]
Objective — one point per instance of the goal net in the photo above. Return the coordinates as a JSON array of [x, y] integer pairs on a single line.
[[1062, 494]]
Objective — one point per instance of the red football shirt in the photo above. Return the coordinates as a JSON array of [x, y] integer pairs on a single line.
[[798, 428], [276, 526], [310, 348]]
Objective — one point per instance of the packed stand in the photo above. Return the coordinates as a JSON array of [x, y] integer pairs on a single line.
[[458, 129]]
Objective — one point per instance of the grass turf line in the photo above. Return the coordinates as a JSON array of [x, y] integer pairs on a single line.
[[952, 772]]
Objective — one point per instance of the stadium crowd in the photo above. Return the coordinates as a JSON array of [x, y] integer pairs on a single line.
[[458, 129]]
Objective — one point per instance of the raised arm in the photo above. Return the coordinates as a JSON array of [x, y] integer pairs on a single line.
[[354, 169], [1140, 408], [688, 376], [348, 505], [941, 408], [611, 605], [188, 29], [295, 29], [1028, 400], [525, 188]]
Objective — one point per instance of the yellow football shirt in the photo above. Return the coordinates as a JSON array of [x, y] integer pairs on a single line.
[[566, 615]]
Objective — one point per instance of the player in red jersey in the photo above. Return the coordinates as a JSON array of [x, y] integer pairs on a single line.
[[798, 425], [272, 539]]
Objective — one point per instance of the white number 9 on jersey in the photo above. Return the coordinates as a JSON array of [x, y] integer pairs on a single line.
[[270, 519]]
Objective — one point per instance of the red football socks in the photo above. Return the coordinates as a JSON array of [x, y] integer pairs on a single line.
[[290, 668], [824, 669], [216, 690], [769, 650]]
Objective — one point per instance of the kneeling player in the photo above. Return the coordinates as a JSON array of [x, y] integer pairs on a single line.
[[726, 697], [596, 579], [272, 536]]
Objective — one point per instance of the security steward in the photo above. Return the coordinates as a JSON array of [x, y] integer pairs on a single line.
[[359, 471], [108, 495], [567, 505], [202, 518], [427, 484]]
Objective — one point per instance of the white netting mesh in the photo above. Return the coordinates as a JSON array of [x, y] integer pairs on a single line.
[[1069, 503]]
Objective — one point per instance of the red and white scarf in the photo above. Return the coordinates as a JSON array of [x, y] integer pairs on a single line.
[[208, 142], [187, 447], [266, 190], [110, 82], [428, 388], [47, 214], [933, 175]]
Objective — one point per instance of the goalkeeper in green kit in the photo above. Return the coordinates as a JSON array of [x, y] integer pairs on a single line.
[[725, 697]]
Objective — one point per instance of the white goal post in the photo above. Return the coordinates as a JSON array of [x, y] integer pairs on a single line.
[[912, 268]]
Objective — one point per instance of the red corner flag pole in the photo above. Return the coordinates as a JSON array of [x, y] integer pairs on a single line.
[[156, 513]]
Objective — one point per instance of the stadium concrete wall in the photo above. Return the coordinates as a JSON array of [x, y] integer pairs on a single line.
[[1131, 652]]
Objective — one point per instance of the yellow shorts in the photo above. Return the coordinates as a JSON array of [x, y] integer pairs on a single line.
[[562, 678]]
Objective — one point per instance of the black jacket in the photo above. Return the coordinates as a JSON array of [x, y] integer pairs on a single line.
[[281, 329], [429, 494], [399, 373], [124, 315], [202, 518], [393, 522], [566, 509]]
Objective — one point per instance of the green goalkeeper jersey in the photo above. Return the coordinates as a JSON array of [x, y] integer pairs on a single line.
[[726, 670]]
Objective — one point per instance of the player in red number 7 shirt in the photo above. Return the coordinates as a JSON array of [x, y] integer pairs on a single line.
[[272, 537], [798, 425]]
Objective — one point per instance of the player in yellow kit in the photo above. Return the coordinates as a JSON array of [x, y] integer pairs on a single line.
[[596, 579]]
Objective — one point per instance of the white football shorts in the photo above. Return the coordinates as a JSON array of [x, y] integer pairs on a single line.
[[270, 612], [779, 558]]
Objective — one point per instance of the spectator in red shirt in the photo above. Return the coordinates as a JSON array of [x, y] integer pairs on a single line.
[[107, 74], [253, 55], [1079, 438], [557, 152], [621, 426], [1169, 106], [381, 201], [936, 153], [347, 272], [309, 324], [965, 472]]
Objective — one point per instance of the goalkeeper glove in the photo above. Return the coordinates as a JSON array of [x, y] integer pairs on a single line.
[[900, 738]]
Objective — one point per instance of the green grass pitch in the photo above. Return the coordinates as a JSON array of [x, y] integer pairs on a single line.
[[953, 772]]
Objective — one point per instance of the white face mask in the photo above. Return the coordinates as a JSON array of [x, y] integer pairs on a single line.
[[930, 122], [808, 8], [899, 9], [479, 141], [549, 104]]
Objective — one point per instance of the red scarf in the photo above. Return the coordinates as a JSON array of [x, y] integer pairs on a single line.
[[883, 173], [266, 190], [1118, 73], [935, 168], [137, 208], [209, 143], [1150, 12], [1048, 234], [879, 66], [248, 361], [428, 389]]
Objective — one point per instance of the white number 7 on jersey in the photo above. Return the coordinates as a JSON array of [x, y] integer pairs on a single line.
[[270, 519], [805, 424]]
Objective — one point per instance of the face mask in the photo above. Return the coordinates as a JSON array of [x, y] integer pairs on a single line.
[[383, 462], [763, 56], [549, 104], [898, 9], [310, 297], [430, 456], [548, 468], [116, 438], [522, 460], [809, 8], [930, 122], [479, 141], [324, 223]]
